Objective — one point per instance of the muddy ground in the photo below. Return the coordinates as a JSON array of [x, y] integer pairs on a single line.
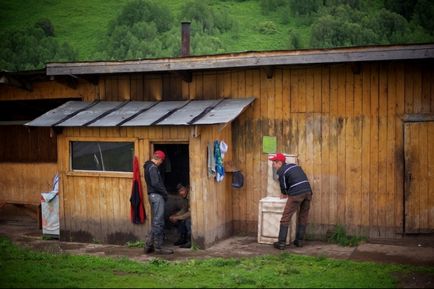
[[415, 250]]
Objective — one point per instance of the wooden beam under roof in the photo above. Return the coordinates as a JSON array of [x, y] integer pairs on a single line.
[[248, 59]]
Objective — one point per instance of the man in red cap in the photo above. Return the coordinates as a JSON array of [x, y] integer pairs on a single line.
[[294, 186], [157, 195]]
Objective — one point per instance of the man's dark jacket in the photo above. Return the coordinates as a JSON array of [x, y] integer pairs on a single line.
[[153, 179], [293, 181]]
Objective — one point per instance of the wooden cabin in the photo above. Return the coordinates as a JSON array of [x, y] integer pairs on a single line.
[[360, 120]]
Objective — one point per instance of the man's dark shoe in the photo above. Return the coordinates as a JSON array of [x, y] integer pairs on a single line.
[[279, 245], [163, 251], [186, 245], [298, 243], [149, 249]]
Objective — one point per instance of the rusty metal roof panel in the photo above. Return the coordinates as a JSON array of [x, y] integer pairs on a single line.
[[225, 111], [123, 114], [158, 112], [189, 112], [58, 114], [88, 115]]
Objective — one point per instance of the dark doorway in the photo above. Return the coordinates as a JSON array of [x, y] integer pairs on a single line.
[[175, 168]]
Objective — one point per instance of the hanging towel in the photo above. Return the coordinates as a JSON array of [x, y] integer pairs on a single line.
[[223, 149], [137, 212], [220, 171], [211, 161]]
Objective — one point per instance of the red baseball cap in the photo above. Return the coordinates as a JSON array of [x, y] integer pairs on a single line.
[[160, 154], [278, 157]]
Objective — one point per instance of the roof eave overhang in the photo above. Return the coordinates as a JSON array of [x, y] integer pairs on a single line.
[[247, 59]]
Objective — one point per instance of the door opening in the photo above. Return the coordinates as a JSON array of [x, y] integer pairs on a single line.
[[175, 168]]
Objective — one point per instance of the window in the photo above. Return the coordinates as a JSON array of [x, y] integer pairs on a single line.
[[102, 156]]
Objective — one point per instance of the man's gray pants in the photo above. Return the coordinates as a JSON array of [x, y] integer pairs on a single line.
[[156, 235]]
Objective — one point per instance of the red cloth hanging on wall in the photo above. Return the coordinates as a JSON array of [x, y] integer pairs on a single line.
[[137, 212]]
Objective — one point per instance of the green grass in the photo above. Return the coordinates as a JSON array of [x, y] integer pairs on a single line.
[[80, 23], [24, 268], [83, 23], [339, 236]]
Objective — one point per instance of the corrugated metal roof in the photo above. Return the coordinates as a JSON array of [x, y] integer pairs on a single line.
[[142, 113]]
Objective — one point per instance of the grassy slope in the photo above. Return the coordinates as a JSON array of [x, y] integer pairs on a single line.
[[81, 23]]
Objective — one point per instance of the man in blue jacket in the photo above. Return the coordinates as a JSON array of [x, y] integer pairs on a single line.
[[157, 195], [294, 186]]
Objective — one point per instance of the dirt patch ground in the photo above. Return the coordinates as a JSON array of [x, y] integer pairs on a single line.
[[22, 230]]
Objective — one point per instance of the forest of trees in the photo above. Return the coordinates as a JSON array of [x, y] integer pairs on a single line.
[[149, 29]]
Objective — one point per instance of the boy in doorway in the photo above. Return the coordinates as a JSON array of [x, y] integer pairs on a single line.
[[182, 218]]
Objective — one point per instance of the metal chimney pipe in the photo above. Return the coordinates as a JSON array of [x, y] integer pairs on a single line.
[[185, 34]]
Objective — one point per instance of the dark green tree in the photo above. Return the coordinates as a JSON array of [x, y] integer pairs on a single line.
[[207, 24], [46, 25], [305, 7], [390, 27], [31, 48], [206, 18], [139, 32], [424, 15], [402, 7], [328, 32], [294, 41]]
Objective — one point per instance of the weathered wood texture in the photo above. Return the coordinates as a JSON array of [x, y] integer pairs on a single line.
[[27, 145], [24, 182], [50, 89], [419, 182], [344, 121], [95, 206]]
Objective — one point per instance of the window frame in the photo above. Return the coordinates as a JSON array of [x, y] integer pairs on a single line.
[[119, 174]]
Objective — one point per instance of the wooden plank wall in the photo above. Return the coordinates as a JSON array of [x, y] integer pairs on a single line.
[[24, 182], [96, 206], [27, 164], [49, 89], [22, 144], [344, 121], [211, 201]]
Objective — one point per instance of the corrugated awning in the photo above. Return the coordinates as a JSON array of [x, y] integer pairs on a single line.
[[142, 113]]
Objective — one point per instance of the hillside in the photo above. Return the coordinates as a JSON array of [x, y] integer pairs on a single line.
[[84, 26]]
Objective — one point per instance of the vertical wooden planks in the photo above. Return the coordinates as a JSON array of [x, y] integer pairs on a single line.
[[382, 150], [341, 152], [423, 177], [124, 88], [374, 142], [256, 187], [209, 85], [365, 205], [430, 181], [399, 147], [325, 178], [356, 166], [334, 129], [197, 190], [249, 165]]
